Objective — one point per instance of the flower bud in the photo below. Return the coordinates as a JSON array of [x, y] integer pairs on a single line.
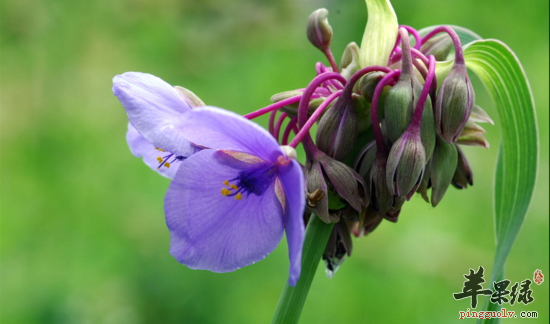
[[338, 130], [445, 159], [439, 46], [368, 83], [399, 109], [425, 184], [454, 103], [368, 223], [365, 160], [316, 191], [339, 244], [406, 163], [381, 198], [350, 60], [342, 186], [190, 97], [363, 112], [319, 31], [463, 174]]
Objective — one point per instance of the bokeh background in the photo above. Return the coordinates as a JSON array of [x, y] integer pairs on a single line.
[[83, 237]]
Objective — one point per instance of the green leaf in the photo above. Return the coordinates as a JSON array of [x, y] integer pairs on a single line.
[[517, 166], [380, 34], [292, 299]]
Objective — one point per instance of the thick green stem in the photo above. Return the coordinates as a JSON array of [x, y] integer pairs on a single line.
[[292, 299]]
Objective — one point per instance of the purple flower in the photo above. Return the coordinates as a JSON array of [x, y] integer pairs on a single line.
[[154, 109], [228, 206]]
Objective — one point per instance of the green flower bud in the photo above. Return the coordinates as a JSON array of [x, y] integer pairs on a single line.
[[350, 60], [398, 108], [190, 97], [425, 184], [463, 174], [439, 46], [406, 163], [338, 130], [319, 31], [444, 165], [362, 110], [368, 84], [454, 103]]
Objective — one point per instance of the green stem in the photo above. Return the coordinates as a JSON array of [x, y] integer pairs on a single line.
[[292, 299]]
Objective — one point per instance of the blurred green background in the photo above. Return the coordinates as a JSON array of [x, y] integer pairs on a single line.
[[83, 237]]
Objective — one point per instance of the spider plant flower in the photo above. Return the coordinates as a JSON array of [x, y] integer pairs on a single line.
[[154, 110], [228, 206]]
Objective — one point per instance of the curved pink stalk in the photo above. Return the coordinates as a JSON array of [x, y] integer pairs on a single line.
[[459, 55], [273, 107], [330, 58], [306, 96], [380, 145], [417, 117], [272, 122], [307, 126], [279, 124], [291, 125]]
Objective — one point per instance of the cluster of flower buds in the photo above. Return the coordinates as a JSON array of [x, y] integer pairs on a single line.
[[384, 132]]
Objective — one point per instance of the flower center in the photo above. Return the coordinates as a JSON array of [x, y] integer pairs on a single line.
[[254, 180], [163, 161]]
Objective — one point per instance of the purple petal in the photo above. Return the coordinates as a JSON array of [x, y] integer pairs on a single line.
[[221, 129], [213, 232], [292, 180], [154, 108], [140, 147]]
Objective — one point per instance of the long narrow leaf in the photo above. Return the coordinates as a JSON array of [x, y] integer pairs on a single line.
[[517, 165]]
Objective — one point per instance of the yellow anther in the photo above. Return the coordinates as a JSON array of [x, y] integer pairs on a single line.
[[225, 192], [160, 150], [167, 165], [238, 196], [226, 183], [159, 159], [234, 187]]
